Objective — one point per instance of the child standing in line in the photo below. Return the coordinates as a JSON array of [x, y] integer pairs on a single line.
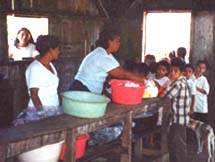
[[189, 74], [160, 77], [178, 92], [202, 90]]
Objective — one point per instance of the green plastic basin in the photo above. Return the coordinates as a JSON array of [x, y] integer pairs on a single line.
[[84, 104]]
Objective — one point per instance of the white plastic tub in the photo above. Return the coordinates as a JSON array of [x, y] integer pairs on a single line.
[[48, 153]]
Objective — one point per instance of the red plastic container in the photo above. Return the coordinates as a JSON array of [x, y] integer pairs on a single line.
[[126, 95], [80, 147]]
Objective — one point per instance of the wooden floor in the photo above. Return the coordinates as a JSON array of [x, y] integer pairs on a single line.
[[113, 156]]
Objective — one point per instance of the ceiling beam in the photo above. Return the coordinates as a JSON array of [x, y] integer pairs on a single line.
[[101, 8]]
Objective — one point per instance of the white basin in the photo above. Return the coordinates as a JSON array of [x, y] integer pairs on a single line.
[[47, 153]]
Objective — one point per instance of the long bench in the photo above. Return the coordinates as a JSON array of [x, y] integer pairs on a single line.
[[16, 140]]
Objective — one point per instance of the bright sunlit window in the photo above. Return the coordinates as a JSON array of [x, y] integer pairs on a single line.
[[37, 26], [165, 32]]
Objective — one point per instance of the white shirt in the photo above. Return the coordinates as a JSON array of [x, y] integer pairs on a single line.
[[37, 76], [21, 52], [201, 105], [163, 82], [94, 69], [192, 85]]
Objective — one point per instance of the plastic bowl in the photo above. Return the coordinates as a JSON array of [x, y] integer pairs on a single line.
[[84, 104], [126, 95]]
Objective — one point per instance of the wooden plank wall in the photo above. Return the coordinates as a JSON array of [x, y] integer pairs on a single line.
[[75, 22], [203, 48]]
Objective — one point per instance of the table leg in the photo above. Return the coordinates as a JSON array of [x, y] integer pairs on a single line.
[[127, 139], [70, 143]]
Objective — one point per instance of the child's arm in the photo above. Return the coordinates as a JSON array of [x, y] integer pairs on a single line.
[[201, 90], [192, 104], [205, 89], [170, 92]]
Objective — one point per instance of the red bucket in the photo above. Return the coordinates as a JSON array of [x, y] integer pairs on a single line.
[[80, 147], [126, 95]]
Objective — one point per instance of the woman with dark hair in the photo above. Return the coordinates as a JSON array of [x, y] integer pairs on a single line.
[[23, 46], [100, 63], [42, 81]]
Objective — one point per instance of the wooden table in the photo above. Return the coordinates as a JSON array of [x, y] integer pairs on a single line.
[[16, 140]]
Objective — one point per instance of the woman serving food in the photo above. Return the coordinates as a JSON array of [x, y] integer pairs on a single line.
[[100, 63]]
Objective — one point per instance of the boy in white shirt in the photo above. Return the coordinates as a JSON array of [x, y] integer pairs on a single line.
[[202, 90], [189, 74]]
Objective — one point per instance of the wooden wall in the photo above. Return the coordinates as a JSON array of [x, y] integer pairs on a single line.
[[75, 22], [203, 48]]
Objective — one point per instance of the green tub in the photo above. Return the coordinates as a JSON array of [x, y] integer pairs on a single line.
[[84, 104]]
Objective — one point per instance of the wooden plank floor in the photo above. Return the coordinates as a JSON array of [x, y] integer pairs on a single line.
[[114, 155]]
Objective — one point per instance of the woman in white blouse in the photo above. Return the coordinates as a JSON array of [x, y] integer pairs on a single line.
[[42, 82], [100, 63], [24, 46]]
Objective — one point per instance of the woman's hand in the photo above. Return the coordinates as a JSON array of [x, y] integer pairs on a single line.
[[35, 98]]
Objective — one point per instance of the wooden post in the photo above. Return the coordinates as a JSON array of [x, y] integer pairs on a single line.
[[3, 152], [70, 143], [138, 148], [164, 128], [127, 139]]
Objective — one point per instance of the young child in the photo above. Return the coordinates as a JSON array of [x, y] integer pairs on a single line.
[[180, 97], [148, 59], [189, 74], [202, 90], [160, 77], [181, 53]]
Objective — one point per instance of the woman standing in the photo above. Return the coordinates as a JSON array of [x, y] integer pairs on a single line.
[[100, 63], [23, 46], [42, 82], [93, 71]]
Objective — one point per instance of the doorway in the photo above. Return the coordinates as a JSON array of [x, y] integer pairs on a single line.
[[165, 32]]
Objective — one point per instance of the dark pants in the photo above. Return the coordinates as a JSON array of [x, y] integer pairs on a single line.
[[177, 143], [200, 116], [78, 86]]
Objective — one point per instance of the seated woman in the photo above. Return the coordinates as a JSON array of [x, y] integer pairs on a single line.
[[23, 46], [42, 82], [100, 63]]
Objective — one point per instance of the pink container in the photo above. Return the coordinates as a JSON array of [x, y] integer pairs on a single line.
[[80, 147], [126, 95]]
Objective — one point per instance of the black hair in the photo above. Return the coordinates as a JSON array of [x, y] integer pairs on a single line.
[[45, 43], [165, 64], [202, 62], [150, 57], [177, 62], [189, 66], [143, 68], [106, 35], [181, 52], [16, 42], [129, 65], [153, 67]]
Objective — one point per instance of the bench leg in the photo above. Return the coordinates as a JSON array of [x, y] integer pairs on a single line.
[[138, 148], [3, 153]]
